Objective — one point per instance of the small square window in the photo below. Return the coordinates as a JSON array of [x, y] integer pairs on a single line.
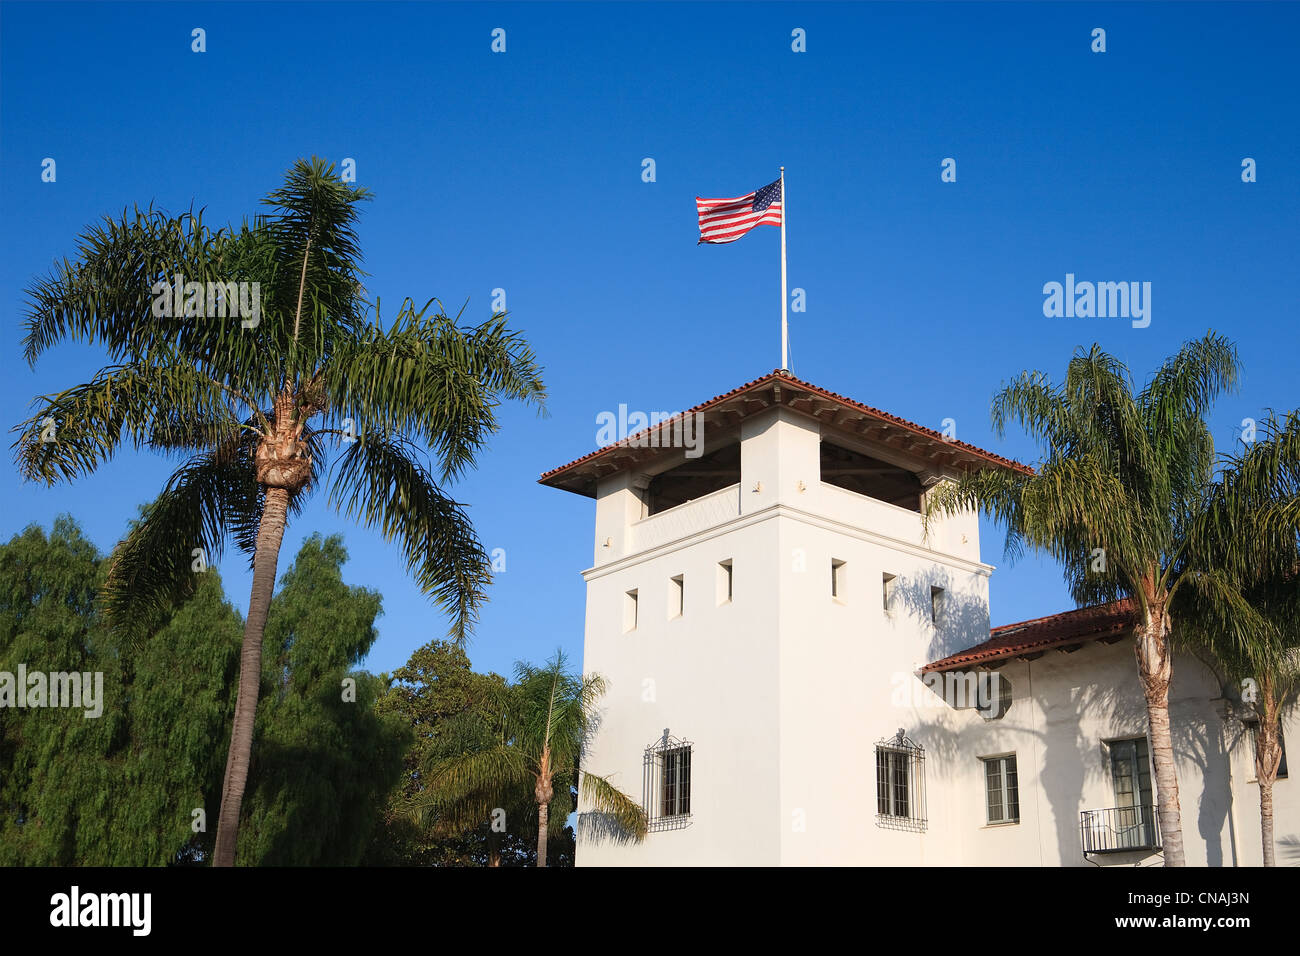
[[839, 579], [888, 584], [724, 581], [936, 604], [676, 596], [629, 611]]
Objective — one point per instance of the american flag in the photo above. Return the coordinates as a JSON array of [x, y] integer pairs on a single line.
[[726, 220]]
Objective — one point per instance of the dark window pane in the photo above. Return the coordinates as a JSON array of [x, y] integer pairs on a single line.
[[669, 767], [675, 782], [684, 800], [901, 793], [1013, 790], [882, 783]]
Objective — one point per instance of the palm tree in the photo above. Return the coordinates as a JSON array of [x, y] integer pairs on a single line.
[[251, 401], [1264, 673], [1278, 679], [1122, 477], [553, 716], [1252, 631], [438, 813]]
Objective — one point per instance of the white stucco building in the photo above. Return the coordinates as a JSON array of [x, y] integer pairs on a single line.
[[787, 656]]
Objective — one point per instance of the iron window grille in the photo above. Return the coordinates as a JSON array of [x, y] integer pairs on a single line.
[[900, 783], [666, 783]]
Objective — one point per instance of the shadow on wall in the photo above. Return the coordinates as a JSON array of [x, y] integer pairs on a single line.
[[595, 827], [1072, 764], [1077, 715], [1288, 851], [1077, 718], [1064, 765], [1197, 730], [1076, 762], [592, 826], [932, 598]]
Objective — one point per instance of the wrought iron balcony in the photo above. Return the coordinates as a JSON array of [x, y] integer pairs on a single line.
[[1119, 829]]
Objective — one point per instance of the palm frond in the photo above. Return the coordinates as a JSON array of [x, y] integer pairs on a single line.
[[613, 806], [105, 294], [428, 379], [154, 565], [139, 403], [380, 483], [316, 294], [477, 775]]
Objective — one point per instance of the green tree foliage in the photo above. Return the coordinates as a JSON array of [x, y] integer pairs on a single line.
[[449, 708], [252, 401], [445, 702], [1242, 605], [534, 755], [118, 789], [1121, 499], [178, 700], [455, 711], [323, 758], [122, 788]]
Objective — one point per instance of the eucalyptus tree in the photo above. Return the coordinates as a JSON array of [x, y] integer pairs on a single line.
[[1122, 479], [539, 752], [252, 396]]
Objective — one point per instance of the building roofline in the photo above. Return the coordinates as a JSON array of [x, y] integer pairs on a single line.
[[580, 474], [1030, 639]]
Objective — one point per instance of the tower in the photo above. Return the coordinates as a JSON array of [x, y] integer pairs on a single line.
[[761, 600]]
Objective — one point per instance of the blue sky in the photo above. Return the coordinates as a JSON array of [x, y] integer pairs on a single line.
[[522, 171]]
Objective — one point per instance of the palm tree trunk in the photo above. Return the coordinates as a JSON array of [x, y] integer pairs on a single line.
[[1266, 821], [543, 814], [493, 847], [1155, 667], [269, 535], [544, 792], [1268, 758]]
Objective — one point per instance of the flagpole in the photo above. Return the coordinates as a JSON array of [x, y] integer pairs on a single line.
[[785, 340]]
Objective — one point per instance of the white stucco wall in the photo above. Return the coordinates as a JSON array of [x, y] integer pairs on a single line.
[[710, 677], [1244, 811], [785, 691]]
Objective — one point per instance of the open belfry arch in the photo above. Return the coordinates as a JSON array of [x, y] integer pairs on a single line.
[[895, 441]]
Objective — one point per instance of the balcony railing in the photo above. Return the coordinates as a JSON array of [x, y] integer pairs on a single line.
[[685, 519], [1117, 829]]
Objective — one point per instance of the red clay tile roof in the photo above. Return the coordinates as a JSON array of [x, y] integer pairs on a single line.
[[1099, 622], [786, 378]]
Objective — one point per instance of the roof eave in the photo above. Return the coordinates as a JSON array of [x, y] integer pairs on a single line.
[[1106, 623], [581, 475]]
